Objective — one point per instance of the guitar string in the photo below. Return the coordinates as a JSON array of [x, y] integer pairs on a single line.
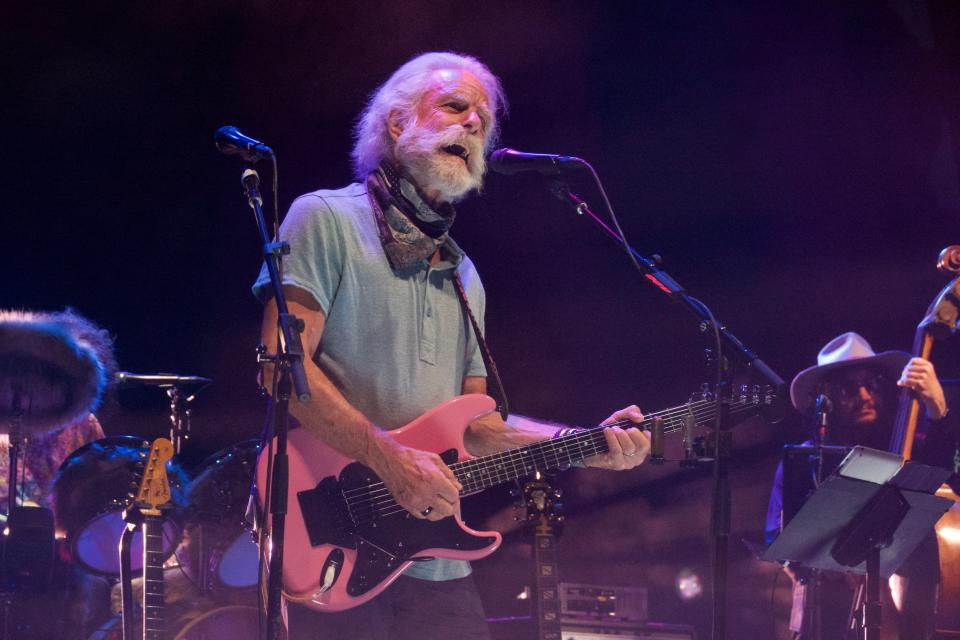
[[506, 462], [392, 508], [377, 497], [697, 410], [366, 510], [669, 414]]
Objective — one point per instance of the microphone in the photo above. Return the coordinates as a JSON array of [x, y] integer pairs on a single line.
[[824, 407], [125, 379], [509, 162], [230, 140], [823, 404]]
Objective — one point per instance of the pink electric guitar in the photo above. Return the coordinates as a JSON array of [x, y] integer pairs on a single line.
[[347, 539]]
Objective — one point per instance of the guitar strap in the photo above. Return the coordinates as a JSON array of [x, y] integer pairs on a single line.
[[503, 406]]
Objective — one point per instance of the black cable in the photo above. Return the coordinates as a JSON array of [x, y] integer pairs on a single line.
[[633, 259], [276, 201]]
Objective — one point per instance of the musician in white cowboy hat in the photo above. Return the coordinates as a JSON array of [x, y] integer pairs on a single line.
[[861, 384]]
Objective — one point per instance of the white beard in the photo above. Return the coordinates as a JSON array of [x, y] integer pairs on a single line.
[[419, 152]]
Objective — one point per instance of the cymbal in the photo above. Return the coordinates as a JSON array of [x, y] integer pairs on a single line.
[[53, 369], [125, 379]]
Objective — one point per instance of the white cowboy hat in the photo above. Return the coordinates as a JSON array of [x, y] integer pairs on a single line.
[[848, 349]]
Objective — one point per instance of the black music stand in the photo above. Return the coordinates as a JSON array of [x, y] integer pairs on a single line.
[[865, 518]]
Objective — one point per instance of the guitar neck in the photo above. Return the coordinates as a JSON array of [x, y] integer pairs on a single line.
[[547, 586], [481, 473], [153, 597]]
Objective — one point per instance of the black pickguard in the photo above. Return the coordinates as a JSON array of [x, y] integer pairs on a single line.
[[382, 541]]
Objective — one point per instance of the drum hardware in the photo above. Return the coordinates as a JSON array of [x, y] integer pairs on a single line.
[[222, 554], [181, 390]]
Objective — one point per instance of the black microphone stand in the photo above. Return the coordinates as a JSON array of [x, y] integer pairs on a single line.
[[721, 503], [812, 624], [288, 361]]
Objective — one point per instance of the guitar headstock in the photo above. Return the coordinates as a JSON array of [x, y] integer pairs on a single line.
[[542, 501], [748, 399], [154, 491]]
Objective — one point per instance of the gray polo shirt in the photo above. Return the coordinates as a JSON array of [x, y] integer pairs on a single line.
[[395, 343]]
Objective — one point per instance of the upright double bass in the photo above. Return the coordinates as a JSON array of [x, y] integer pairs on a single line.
[[941, 321]]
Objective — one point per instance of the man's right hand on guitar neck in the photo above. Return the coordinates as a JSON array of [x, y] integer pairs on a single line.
[[419, 481]]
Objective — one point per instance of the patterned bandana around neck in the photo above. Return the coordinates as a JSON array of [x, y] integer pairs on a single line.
[[410, 230]]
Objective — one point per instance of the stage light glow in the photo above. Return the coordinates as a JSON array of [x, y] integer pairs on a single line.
[[688, 585], [950, 535]]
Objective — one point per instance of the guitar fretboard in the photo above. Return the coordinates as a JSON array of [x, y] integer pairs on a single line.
[[476, 474], [548, 597], [153, 622], [373, 501]]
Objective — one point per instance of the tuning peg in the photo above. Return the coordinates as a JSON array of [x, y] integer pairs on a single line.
[[949, 260]]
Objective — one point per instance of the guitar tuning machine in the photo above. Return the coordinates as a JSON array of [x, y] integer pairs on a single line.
[[949, 260]]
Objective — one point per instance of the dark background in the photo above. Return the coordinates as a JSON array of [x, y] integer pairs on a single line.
[[796, 166]]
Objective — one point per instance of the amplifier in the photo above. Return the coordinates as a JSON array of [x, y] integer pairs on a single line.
[[522, 628], [650, 631], [593, 602]]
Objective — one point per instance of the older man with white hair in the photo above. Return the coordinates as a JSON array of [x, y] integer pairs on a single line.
[[374, 274]]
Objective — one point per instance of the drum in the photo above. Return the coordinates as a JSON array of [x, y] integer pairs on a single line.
[[215, 519], [90, 491]]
